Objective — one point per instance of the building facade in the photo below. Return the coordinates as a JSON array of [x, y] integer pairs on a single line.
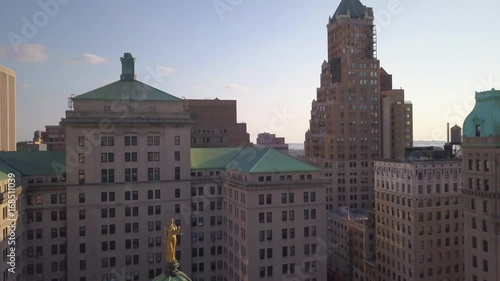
[[270, 140], [481, 143], [30, 146], [127, 167], [351, 240], [54, 138], [419, 222], [344, 134], [216, 124], [7, 109], [397, 119], [266, 221]]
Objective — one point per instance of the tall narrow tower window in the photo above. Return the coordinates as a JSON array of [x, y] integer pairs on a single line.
[[478, 130]]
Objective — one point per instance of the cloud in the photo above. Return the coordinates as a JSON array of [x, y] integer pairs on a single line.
[[87, 58], [197, 87], [237, 87], [26, 53], [25, 86], [167, 70]]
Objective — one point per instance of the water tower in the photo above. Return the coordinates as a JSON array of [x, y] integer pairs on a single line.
[[454, 146]]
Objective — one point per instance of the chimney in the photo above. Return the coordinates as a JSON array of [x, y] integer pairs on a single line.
[[128, 69], [448, 132]]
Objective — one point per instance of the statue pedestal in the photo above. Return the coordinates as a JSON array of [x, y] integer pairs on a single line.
[[172, 268]]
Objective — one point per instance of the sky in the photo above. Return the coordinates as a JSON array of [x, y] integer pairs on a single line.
[[266, 54]]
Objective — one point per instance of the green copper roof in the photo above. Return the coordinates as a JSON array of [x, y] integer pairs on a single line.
[[355, 7], [127, 90], [33, 162], [484, 119], [267, 160], [181, 276], [249, 160], [5, 169], [212, 158]]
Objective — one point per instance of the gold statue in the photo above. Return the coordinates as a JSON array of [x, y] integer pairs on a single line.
[[170, 240]]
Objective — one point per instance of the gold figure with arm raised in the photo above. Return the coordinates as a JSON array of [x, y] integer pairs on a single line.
[[170, 240]]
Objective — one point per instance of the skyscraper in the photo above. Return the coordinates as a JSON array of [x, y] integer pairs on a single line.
[[7, 109], [344, 135], [481, 143]]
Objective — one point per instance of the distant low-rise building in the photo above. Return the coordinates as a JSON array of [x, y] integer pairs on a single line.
[[30, 146], [54, 137], [270, 140]]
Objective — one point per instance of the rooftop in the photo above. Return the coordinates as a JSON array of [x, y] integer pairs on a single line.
[[248, 160], [352, 214], [354, 8], [127, 88], [484, 119], [28, 163]]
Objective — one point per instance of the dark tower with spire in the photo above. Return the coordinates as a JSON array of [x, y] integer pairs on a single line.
[[344, 133]]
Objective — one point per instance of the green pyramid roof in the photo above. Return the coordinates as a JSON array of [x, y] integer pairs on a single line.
[[267, 160], [127, 90], [248, 160], [212, 158]]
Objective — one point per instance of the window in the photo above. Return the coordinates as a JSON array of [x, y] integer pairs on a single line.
[[81, 141], [478, 130], [130, 156], [131, 175], [107, 175], [81, 214], [130, 140], [81, 176], [81, 157], [177, 156], [107, 157], [485, 246], [261, 199], [177, 140], [153, 156], [177, 173], [153, 140], [107, 141], [81, 198]]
